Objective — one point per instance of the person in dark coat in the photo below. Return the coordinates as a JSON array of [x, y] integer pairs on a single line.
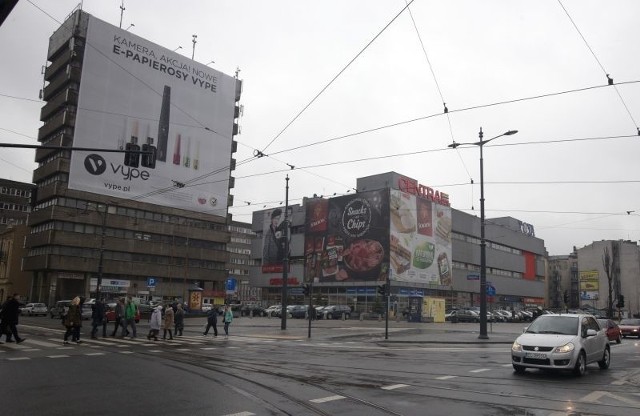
[[10, 315], [212, 321], [73, 321], [4, 328], [179, 320], [97, 319]]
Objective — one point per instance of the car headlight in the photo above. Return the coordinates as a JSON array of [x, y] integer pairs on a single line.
[[568, 347], [516, 347]]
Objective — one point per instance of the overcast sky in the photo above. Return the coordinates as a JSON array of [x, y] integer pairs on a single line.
[[345, 89]]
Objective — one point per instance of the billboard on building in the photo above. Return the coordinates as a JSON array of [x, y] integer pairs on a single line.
[[136, 95], [347, 238], [274, 238], [589, 284], [420, 239]]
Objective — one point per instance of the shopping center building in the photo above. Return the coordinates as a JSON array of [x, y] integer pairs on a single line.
[[397, 228]]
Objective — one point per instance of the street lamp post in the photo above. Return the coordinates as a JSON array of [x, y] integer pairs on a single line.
[[483, 244]]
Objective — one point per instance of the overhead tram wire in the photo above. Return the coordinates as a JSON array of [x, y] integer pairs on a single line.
[[476, 107], [604, 71], [336, 76], [444, 103]]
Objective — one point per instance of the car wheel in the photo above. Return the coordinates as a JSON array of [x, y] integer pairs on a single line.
[[581, 365], [619, 339], [606, 359], [519, 369]]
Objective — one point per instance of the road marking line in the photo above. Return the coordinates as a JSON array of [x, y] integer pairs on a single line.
[[155, 350], [57, 356], [394, 386], [445, 377], [183, 349], [327, 399], [480, 370], [209, 348], [95, 353], [507, 365], [126, 352], [18, 358], [241, 414], [42, 343], [31, 349]]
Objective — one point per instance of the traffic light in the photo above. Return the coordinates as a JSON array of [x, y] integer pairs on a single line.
[[382, 290], [620, 301], [306, 289]]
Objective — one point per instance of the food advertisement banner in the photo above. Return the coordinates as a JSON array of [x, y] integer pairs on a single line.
[[137, 96], [589, 284], [420, 240], [347, 238]]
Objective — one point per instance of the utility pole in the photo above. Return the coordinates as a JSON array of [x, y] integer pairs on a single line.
[[285, 261], [193, 54]]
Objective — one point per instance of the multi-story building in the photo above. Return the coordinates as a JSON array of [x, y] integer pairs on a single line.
[[413, 237], [563, 281], [15, 202], [111, 220], [12, 278], [610, 266]]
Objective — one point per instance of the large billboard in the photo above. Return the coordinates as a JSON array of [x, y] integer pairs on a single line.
[[347, 238], [275, 236], [420, 240], [589, 285], [136, 95]]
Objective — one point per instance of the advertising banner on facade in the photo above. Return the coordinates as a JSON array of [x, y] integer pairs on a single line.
[[589, 284], [274, 236], [420, 240], [137, 96], [347, 238]]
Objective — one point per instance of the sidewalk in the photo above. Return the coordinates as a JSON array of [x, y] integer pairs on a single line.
[[401, 332]]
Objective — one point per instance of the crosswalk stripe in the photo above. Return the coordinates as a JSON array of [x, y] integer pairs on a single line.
[[41, 343], [445, 377], [394, 386], [327, 399], [18, 358], [480, 370], [58, 356]]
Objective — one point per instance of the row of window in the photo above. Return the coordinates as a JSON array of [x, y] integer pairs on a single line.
[[83, 252], [14, 221], [127, 234], [15, 207], [475, 240], [15, 191], [240, 230]]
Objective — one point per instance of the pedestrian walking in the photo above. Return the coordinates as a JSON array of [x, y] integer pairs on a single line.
[[168, 322], [9, 316], [212, 322], [130, 311], [179, 320], [73, 321], [97, 318], [155, 322], [119, 316], [4, 327], [227, 318]]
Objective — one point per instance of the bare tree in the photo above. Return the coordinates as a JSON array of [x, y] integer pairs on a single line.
[[606, 263]]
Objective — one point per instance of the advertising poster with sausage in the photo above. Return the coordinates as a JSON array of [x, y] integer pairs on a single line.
[[347, 238], [420, 240]]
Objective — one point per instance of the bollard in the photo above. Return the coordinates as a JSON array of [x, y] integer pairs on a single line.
[[379, 317], [344, 317], [361, 316]]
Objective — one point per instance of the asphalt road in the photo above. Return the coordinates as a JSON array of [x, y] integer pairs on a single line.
[[346, 368]]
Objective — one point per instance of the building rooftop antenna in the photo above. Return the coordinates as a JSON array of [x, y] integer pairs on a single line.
[[121, 12]]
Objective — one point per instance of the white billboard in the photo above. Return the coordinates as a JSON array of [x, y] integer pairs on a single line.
[[136, 95], [420, 240]]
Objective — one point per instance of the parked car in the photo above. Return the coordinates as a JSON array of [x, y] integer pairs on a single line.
[[34, 309], [337, 311], [630, 327], [467, 315], [561, 342], [320, 312], [504, 315], [611, 329], [273, 310], [252, 310], [59, 309]]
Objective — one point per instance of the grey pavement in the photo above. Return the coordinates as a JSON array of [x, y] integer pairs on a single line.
[[399, 332]]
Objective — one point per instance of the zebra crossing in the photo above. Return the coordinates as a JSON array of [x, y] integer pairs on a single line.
[[50, 345]]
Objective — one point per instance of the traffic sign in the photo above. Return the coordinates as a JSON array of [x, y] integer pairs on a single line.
[[491, 290]]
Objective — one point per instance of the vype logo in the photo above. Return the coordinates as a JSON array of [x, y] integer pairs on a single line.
[[95, 164]]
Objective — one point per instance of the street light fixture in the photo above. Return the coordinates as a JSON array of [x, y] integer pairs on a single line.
[[483, 245]]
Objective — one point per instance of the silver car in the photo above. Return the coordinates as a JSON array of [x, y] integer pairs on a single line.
[[561, 342]]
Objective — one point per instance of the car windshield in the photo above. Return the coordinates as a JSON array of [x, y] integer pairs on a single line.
[[549, 324], [635, 322]]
